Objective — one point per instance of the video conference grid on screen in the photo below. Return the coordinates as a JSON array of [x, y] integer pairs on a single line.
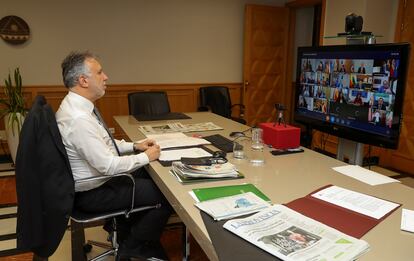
[[357, 93]]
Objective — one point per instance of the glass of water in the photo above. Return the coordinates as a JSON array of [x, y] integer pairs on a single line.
[[239, 148], [257, 157], [257, 147], [257, 138]]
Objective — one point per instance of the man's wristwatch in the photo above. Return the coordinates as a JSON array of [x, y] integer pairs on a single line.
[[135, 149]]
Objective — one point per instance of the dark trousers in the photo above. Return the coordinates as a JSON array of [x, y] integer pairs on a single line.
[[116, 194]]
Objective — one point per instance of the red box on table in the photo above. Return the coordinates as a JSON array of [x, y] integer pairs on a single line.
[[279, 136]]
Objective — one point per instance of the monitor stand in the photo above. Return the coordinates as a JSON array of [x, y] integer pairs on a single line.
[[354, 151]]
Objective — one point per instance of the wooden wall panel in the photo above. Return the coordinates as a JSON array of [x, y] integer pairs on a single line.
[[182, 98], [403, 158]]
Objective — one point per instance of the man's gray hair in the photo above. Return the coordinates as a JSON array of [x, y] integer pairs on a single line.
[[73, 66]]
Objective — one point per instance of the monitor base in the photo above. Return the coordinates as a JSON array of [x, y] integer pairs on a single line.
[[354, 151]]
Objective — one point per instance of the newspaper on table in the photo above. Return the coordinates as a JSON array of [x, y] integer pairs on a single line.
[[202, 126], [233, 206], [177, 127], [289, 235], [203, 171], [162, 128]]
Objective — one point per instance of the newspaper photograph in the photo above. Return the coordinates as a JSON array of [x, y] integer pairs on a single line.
[[290, 235]]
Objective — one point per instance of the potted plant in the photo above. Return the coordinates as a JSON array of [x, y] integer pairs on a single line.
[[13, 110]]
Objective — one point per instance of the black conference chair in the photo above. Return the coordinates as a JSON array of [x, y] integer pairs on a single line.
[[80, 219], [150, 103], [217, 100], [45, 191]]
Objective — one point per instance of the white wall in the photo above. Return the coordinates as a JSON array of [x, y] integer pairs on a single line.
[[138, 41], [379, 17], [303, 32]]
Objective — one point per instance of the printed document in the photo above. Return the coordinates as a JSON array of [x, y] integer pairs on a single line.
[[407, 220], [355, 201], [176, 139], [367, 176], [290, 235], [171, 155]]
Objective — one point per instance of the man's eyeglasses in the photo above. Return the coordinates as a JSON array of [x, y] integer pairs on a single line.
[[218, 160]]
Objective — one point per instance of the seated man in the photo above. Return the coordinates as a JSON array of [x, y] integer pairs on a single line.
[[380, 104], [92, 151], [361, 69]]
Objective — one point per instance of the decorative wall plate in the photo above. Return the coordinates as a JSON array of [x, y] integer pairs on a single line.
[[14, 30]]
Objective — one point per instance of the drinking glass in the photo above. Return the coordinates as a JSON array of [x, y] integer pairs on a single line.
[[257, 139], [239, 147]]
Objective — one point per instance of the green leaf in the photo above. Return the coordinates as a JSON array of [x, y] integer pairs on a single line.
[[14, 101]]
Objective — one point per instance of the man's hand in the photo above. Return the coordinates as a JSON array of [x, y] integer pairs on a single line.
[[153, 152], [143, 146]]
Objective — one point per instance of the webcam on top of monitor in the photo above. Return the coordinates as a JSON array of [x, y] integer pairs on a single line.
[[353, 23]]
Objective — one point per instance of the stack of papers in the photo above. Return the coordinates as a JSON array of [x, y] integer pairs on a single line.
[[177, 154], [176, 140], [233, 206], [203, 171], [185, 173]]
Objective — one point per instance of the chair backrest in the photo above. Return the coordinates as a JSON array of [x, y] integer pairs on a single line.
[[150, 103], [217, 98], [44, 182]]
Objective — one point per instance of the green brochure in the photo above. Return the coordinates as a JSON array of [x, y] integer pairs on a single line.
[[204, 194]]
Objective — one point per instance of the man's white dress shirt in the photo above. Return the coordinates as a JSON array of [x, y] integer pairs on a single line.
[[88, 145]]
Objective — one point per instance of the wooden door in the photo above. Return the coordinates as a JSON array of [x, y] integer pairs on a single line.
[[403, 158], [265, 62]]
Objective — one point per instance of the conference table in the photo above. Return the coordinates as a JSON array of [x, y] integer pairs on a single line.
[[282, 178]]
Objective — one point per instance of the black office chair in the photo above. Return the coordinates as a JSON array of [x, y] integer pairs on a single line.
[[217, 99], [80, 219], [45, 190], [150, 103]]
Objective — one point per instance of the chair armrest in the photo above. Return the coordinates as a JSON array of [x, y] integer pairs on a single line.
[[86, 180]]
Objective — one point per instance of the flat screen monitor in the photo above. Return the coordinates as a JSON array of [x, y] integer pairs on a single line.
[[355, 92]]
